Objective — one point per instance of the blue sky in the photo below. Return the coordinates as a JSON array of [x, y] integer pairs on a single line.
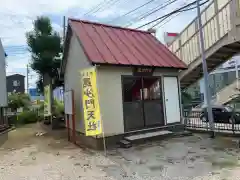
[[16, 19]]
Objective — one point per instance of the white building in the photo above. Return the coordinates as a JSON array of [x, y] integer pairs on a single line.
[[3, 88], [137, 80]]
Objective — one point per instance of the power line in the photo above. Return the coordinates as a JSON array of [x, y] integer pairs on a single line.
[[140, 17], [133, 10], [103, 6], [14, 49], [15, 46], [169, 14], [19, 50], [95, 7], [167, 18], [111, 3], [154, 10], [176, 15], [166, 15], [166, 21]]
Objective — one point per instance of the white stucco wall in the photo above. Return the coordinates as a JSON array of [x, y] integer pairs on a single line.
[[3, 88], [76, 61], [110, 95]]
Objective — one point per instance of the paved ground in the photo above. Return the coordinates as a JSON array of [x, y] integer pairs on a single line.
[[23, 155]]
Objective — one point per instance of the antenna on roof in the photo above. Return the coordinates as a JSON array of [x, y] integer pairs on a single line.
[[152, 31]]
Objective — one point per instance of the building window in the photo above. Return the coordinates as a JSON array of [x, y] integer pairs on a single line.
[[16, 83]]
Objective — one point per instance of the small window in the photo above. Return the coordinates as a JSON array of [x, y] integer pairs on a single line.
[[16, 83]]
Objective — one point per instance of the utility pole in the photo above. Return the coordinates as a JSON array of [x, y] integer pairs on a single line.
[[64, 27], [237, 75], [205, 72], [27, 79]]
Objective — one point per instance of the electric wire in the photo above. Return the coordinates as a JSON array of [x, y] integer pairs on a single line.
[[171, 13], [133, 10], [103, 6], [177, 14], [95, 7], [159, 7]]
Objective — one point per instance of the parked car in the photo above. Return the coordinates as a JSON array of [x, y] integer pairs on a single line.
[[221, 114]]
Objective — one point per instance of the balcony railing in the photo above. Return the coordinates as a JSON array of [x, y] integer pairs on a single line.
[[216, 19]]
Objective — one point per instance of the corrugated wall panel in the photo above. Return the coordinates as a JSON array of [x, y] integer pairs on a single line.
[[222, 3]]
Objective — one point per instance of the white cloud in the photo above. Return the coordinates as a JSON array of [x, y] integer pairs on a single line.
[[17, 62], [34, 8], [16, 19]]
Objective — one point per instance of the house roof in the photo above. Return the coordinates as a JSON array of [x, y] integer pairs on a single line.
[[105, 44], [15, 75]]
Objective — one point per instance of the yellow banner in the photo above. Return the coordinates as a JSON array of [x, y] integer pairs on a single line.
[[47, 101], [92, 116]]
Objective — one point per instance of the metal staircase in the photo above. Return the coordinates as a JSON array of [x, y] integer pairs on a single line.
[[228, 93], [221, 27], [225, 95]]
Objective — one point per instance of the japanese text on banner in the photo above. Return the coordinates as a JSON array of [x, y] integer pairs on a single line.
[[92, 116]]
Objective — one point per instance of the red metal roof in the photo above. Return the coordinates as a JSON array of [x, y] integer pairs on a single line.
[[105, 44]]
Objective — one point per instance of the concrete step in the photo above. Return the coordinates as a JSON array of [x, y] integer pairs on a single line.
[[148, 135], [124, 143], [156, 135]]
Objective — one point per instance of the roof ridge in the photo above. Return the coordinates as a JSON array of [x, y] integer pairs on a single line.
[[108, 25], [15, 74]]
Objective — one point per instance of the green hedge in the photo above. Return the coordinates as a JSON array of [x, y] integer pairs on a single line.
[[27, 117], [58, 108]]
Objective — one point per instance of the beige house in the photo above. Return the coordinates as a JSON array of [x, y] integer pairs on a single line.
[[137, 78]]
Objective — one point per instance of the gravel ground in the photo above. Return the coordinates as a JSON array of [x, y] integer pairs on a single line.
[[25, 156], [187, 158]]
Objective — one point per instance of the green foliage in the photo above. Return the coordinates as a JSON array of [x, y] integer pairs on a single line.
[[186, 98], [40, 84], [18, 100], [58, 108], [24, 117], [41, 108], [27, 117], [45, 47], [57, 83]]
